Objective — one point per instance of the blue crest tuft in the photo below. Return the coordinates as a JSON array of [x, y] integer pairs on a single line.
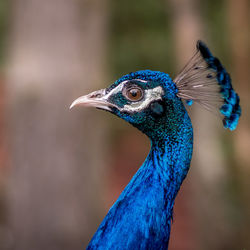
[[230, 109], [206, 81]]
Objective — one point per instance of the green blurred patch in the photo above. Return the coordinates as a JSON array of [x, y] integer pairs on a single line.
[[4, 14], [140, 37]]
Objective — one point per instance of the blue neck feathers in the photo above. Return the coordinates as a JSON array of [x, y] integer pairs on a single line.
[[141, 217]]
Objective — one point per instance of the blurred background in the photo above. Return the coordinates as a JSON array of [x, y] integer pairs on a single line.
[[61, 170]]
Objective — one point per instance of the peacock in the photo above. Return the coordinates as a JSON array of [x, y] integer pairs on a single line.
[[155, 104]]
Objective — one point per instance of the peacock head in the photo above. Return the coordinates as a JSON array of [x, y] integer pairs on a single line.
[[151, 100], [146, 99]]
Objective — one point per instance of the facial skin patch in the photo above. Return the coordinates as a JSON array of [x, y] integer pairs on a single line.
[[150, 95]]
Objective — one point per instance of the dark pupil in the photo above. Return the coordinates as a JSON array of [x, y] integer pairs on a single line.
[[134, 92]]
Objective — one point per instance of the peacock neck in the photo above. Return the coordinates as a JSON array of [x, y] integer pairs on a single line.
[[158, 181], [141, 217], [168, 161], [171, 153], [170, 158]]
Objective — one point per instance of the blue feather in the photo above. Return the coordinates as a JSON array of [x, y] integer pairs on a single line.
[[230, 97], [208, 83], [189, 102]]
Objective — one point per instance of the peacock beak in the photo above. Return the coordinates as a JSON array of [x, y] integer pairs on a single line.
[[95, 99]]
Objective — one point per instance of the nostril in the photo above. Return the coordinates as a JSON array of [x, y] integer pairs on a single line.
[[98, 95], [95, 95]]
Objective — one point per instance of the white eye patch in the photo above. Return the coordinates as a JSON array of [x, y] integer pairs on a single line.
[[150, 95]]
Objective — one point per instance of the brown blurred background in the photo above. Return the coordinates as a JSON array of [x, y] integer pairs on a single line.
[[61, 170]]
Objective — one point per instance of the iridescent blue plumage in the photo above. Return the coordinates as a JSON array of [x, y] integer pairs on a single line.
[[231, 108], [152, 102]]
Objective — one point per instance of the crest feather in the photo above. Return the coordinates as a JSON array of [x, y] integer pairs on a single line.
[[205, 81]]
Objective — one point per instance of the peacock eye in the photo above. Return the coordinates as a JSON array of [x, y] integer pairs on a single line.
[[134, 94]]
